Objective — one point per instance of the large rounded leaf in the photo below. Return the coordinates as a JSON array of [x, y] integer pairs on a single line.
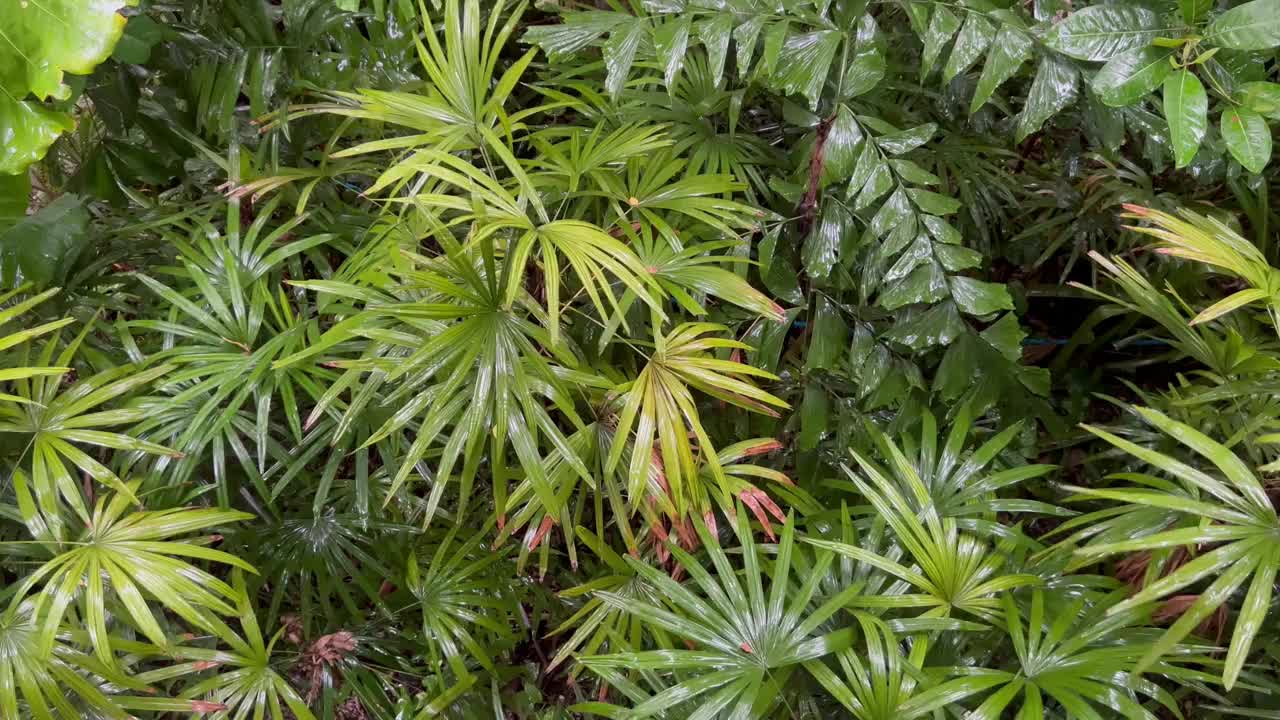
[[39, 41]]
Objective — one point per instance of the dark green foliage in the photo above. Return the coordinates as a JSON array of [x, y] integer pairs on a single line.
[[667, 359]]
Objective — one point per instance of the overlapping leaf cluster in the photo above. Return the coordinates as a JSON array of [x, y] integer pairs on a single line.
[[638, 360]]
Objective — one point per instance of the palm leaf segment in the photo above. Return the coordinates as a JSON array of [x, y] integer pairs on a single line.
[[949, 570], [471, 336], [1078, 652], [962, 482], [224, 334], [1229, 510], [660, 408], [60, 419], [751, 629]]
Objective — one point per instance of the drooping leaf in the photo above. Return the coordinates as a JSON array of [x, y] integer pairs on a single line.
[[803, 63], [1186, 109], [942, 26], [1010, 49], [973, 40], [1054, 88]]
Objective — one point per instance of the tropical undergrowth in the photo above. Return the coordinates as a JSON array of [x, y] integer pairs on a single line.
[[886, 360]]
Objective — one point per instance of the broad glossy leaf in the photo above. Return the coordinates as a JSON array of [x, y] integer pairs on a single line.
[[29, 131], [1130, 76], [938, 325], [1185, 108], [1255, 25], [1010, 49], [906, 140], [942, 26], [842, 149], [1054, 88], [976, 297], [744, 39], [1263, 97], [45, 244], [867, 65], [828, 339], [577, 30], [714, 34], [15, 195], [620, 52], [1100, 32], [1248, 137], [803, 63], [140, 35], [933, 203], [671, 43], [779, 277], [1194, 10], [822, 247], [974, 39], [39, 41]]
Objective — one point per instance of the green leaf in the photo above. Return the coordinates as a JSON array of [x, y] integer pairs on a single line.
[[576, 31], [1263, 97], [1185, 108], [1054, 88], [804, 61], [1100, 32], [942, 26], [1011, 48], [1193, 10], [39, 41], [1247, 137], [822, 247], [829, 336], [1129, 76], [840, 153], [925, 284], [671, 43], [15, 195], [140, 35], [867, 67], [976, 297], [1252, 26], [44, 245], [1232, 302], [620, 52], [974, 39], [907, 140], [938, 325], [714, 34], [775, 270], [744, 38], [933, 203]]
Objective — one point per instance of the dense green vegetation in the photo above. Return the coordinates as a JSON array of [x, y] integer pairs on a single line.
[[392, 360]]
